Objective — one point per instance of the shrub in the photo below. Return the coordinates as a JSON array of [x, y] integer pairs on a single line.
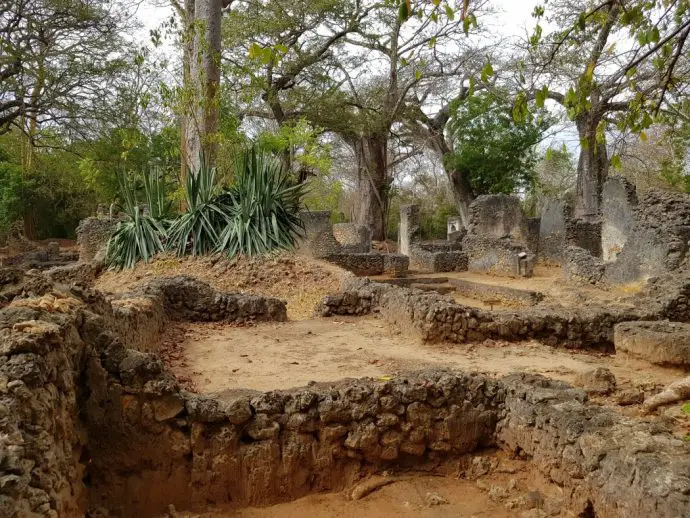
[[197, 231], [263, 206], [141, 235]]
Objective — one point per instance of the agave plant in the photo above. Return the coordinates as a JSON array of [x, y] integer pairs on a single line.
[[197, 231], [140, 236], [263, 206]]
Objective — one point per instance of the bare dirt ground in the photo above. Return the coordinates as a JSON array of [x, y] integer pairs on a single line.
[[270, 356], [512, 489], [300, 281], [547, 280]]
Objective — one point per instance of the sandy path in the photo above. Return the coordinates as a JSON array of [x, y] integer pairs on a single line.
[[284, 355]]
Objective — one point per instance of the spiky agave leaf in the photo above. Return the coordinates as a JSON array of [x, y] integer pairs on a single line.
[[263, 207], [197, 231]]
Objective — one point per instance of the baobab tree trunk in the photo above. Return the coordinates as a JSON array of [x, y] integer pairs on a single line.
[[463, 194], [201, 120], [373, 184], [592, 168]]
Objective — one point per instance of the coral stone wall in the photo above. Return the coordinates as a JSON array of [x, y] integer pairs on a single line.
[[432, 317], [353, 238], [619, 200], [93, 235]]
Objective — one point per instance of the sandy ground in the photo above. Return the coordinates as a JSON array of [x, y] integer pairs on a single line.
[[506, 492], [300, 281], [547, 280], [270, 356]]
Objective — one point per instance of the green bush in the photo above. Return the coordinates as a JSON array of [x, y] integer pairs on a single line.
[[141, 235], [197, 231], [263, 207]]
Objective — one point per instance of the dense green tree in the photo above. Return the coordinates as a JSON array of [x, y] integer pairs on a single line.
[[495, 153]]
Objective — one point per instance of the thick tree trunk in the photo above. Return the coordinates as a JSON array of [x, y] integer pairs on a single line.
[[592, 168], [463, 194], [371, 206], [203, 109]]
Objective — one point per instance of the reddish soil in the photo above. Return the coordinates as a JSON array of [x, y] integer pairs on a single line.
[[284, 355], [513, 488]]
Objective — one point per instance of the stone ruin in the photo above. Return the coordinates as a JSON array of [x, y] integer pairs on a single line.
[[637, 238], [92, 422], [347, 245], [500, 239]]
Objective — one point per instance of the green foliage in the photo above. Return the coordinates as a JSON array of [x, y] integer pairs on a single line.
[[494, 151], [10, 195], [141, 235], [197, 231], [263, 207]]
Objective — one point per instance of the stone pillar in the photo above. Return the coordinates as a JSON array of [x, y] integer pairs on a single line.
[[318, 240], [409, 231], [619, 200]]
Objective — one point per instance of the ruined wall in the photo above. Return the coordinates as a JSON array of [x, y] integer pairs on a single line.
[[409, 232], [355, 239], [433, 318], [426, 260], [585, 235], [498, 216], [554, 215], [608, 465], [580, 266], [318, 240], [92, 236], [659, 242], [270, 447], [498, 256], [86, 422], [498, 236], [619, 200]]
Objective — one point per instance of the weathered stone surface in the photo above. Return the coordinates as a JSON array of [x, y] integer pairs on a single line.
[[659, 342], [607, 464], [597, 381]]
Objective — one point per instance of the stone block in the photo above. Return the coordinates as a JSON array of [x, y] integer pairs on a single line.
[[659, 342]]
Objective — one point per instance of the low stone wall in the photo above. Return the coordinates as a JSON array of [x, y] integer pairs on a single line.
[[436, 262], [504, 294], [498, 256], [87, 423], [608, 465], [432, 317], [661, 342]]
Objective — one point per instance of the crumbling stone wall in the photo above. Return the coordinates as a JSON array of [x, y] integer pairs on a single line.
[[498, 236], [659, 242], [585, 235], [437, 261], [371, 263], [581, 266], [409, 232], [607, 464], [86, 422], [554, 215], [270, 447], [498, 256], [354, 239], [92, 236], [433, 318], [619, 200], [318, 240], [498, 216]]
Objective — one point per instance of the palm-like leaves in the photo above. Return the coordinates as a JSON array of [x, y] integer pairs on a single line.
[[197, 231], [263, 207], [140, 236]]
